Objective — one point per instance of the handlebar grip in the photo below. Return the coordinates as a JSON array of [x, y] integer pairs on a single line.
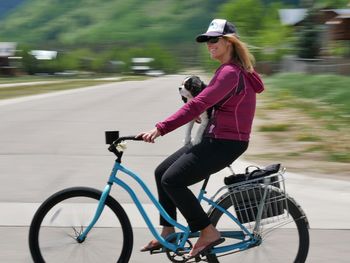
[[127, 138], [112, 137]]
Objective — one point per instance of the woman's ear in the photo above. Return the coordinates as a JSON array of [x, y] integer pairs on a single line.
[[229, 46], [227, 42]]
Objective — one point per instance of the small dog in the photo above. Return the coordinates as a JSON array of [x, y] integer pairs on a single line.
[[190, 88]]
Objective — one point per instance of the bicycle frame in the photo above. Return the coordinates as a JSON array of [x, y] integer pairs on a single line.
[[181, 236]]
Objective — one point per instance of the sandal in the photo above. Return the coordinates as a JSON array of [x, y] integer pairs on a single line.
[[152, 246], [155, 245], [206, 249]]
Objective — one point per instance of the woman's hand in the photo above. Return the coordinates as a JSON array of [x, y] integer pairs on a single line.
[[149, 136]]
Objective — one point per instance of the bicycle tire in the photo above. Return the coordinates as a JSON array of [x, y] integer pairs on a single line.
[[256, 254], [51, 217]]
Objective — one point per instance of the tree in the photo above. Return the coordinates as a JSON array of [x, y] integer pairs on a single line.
[[259, 25], [309, 43]]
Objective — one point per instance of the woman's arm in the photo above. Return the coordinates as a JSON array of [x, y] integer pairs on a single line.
[[223, 82]]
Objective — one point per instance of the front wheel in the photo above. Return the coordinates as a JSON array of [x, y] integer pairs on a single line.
[[288, 242], [63, 216]]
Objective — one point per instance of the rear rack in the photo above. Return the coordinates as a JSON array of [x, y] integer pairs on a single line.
[[259, 201]]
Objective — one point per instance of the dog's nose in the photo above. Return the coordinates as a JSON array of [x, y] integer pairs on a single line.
[[180, 88]]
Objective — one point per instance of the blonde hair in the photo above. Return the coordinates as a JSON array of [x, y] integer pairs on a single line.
[[240, 53]]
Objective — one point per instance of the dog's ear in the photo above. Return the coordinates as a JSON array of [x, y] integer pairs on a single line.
[[198, 82], [197, 85], [187, 82]]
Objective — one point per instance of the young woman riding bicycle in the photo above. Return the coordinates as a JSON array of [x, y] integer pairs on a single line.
[[234, 87]]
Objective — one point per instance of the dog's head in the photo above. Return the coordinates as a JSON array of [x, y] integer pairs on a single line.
[[191, 87]]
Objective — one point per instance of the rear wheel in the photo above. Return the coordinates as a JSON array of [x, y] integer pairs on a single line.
[[63, 216], [284, 243]]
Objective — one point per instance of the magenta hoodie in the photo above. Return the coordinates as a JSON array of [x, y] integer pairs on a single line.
[[234, 89]]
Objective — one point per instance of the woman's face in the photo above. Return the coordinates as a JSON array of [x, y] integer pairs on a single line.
[[220, 49]]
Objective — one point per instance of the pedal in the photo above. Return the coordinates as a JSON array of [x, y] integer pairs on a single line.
[[191, 260], [157, 251], [181, 252]]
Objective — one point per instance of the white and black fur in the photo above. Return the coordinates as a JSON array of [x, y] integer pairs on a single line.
[[190, 88]]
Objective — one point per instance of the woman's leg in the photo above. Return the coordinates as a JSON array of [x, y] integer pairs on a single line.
[[163, 197], [196, 164]]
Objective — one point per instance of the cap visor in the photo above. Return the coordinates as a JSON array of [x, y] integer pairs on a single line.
[[206, 36]]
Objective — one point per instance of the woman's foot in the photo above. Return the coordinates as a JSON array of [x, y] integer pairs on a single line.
[[154, 244], [208, 238]]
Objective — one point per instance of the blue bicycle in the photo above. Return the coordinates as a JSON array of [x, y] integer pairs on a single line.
[[259, 221]]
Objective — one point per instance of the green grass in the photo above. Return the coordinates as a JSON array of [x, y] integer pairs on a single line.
[[325, 99], [327, 91], [27, 78], [308, 138], [274, 127], [340, 157]]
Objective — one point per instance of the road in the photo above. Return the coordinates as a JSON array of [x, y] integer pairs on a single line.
[[49, 142]]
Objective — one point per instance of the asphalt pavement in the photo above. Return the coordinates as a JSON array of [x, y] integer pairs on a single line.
[[53, 141]]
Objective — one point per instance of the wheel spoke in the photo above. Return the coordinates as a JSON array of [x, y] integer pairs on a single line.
[[64, 216], [282, 241]]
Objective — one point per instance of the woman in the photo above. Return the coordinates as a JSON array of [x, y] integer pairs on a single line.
[[232, 94]]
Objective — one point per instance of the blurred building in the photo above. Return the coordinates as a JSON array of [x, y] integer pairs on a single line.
[[7, 53], [44, 54], [143, 66], [336, 21], [335, 24], [292, 17]]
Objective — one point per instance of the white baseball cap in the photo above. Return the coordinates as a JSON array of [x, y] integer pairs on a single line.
[[217, 28]]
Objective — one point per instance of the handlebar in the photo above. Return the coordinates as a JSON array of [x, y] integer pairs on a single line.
[[113, 139], [127, 138]]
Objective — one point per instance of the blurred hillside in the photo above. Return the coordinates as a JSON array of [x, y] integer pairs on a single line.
[[118, 21], [89, 22], [97, 32]]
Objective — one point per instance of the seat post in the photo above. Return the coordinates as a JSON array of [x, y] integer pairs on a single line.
[[231, 170], [205, 183]]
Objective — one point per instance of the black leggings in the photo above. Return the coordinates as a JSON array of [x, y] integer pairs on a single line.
[[190, 165]]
